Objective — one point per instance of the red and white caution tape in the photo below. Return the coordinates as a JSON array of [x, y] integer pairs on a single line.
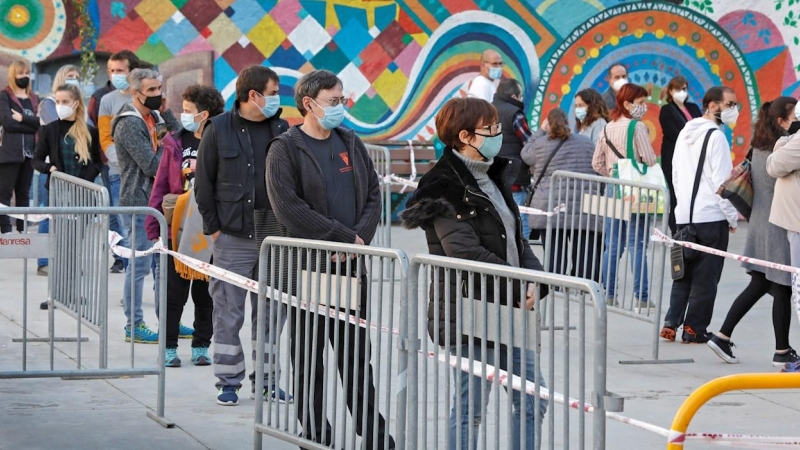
[[33, 218]]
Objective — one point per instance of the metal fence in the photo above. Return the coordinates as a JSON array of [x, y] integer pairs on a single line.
[[604, 235], [381, 159], [361, 331], [489, 341]]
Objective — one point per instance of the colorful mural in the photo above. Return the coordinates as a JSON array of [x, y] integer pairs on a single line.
[[400, 60]]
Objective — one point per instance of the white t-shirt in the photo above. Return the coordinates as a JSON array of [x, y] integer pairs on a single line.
[[482, 87]]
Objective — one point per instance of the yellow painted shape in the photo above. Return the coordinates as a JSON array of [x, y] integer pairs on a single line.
[[223, 33], [19, 16], [155, 12], [390, 86], [421, 38], [331, 20], [267, 35]]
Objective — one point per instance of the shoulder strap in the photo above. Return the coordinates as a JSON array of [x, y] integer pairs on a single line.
[[699, 174], [642, 169], [610, 145], [547, 164]]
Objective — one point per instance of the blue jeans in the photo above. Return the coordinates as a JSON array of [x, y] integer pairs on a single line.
[[114, 220], [42, 200], [136, 274], [519, 198], [475, 390], [636, 236]]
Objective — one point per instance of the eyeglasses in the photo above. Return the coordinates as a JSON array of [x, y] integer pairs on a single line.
[[493, 130], [336, 101], [729, 104]]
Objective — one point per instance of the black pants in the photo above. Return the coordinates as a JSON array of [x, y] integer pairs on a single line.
[[354, 358], [177, 294], [781, 307], [666, 165], [695, 293], [15, 179], [587, 247]]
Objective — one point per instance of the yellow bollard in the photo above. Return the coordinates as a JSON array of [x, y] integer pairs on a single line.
[[745, 381]]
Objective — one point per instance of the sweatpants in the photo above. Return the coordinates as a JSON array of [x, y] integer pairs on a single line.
[[178, 290], [240, 256], [15, 181], [696, 292]]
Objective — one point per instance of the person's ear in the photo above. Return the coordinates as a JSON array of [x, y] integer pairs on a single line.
[[464, 136]]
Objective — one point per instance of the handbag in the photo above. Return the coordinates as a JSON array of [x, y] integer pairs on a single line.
[[738, 188], [168, 206], [630, 169], [532, 188], [680, 255]]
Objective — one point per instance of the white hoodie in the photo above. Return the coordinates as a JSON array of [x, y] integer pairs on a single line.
[[709, 207]]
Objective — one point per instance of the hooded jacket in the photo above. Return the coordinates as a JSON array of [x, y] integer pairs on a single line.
[[709, 207], [138, 163], [784, 164], [12, 133], [460, 221]]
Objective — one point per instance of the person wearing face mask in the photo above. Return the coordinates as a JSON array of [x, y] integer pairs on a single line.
[[484, 86], [616, 77], [619, 234], [18, 106], [136, 129], [703, 149], [465, 207], [591, 114], [176, 176], [231, 195], [672, 117], [103, 106], [323, 185], [765, 241]]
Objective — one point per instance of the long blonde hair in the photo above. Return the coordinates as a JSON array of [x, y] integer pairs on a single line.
[[79, 131], [61, 76], [13, 69]]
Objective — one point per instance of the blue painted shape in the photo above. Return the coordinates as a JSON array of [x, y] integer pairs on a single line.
[[246, 14], [316, 9], [289, 58], [224, 74], [760, 58], [267, 5], [353, 38], [348, 13], [384, 16], [176, 36], [789, 90], [392, 67], [118, 10], [154, 39]]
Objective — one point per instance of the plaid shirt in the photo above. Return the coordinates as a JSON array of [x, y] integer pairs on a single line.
[[521, 128]]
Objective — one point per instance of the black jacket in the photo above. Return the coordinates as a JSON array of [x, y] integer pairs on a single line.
[[94, 102], [296, 189], [507, 109], [672, 122], [12, 132], [461, 222], [48, 145], [225, 175]]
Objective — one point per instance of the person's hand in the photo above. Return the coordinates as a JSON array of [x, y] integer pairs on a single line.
[[530, 297], [359, 241], [53, 169], [732, 230], [16, 116], [546, 126], [214, 236]]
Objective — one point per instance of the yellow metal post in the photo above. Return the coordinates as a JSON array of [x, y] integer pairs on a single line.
[[745, 381]]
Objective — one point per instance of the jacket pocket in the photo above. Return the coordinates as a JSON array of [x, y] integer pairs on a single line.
[[230, 208]]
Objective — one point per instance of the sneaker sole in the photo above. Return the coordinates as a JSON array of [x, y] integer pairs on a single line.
[[173, 364], [185, 336], [127, 339], [282, 402], [779, 364], [202, 362], [668, 334], [721, 353], [220, 402]]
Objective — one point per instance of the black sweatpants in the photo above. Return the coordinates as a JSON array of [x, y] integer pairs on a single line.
[[696, 292], [781, 307], [178, 290], [15, 180]]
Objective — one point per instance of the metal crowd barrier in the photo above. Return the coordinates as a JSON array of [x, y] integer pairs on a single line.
[[489, 332], [381, 159], [605, 232], [358, 343]]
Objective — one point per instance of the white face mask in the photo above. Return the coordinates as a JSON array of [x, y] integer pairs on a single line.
[[729, 116], [64, 111], [617, 85], [680, 96], [797, 110]]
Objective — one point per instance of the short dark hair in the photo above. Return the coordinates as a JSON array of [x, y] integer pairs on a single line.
[[509, 86], [254, 78], [616, 64], [126, 55], [312, 84], [206, 98], [463, 114], [715, 94], [767, 131]]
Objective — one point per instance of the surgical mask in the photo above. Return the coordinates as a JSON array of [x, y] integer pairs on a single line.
[[23, 82], [797, 110], [794, 127], [491, 146], [334, 115], [120, 81], [187, 120], [64, 111], [617, 85], [680, 96], [73, 82], [638, 111], [729, 116], [152, 103], [495, 73], [580, 113], [271, 105]]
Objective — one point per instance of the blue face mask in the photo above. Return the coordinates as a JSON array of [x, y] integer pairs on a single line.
[[334, 115], [495, 73], [187, 120], [271, 105], [120, 81], [491, 146], [73, 82]]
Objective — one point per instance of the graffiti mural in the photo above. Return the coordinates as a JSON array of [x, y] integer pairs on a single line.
[[400, 60]]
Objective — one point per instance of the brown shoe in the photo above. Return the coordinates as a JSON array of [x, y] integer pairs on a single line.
[[668, 333]]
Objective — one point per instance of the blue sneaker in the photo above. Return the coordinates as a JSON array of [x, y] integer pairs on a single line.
[[274, 394], [228, 396], [171, 358], [185, 332], [141, 335], [200, 356], [792, 367]]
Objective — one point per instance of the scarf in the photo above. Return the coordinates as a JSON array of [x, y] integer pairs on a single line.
[[188, 237]]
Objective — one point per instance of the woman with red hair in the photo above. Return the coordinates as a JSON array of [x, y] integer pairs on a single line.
[[611, 147]]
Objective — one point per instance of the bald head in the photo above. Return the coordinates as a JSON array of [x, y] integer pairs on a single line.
[[489, 59]]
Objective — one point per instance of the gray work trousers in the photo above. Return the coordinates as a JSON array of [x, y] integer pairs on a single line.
[[240, 256]]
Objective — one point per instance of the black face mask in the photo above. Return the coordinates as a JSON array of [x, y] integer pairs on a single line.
[[794, 127], [23, 82], [152, 103]]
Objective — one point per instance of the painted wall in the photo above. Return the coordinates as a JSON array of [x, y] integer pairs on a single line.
[[400, 60]]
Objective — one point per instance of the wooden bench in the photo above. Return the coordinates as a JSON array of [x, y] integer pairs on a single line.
[[424, 158]]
